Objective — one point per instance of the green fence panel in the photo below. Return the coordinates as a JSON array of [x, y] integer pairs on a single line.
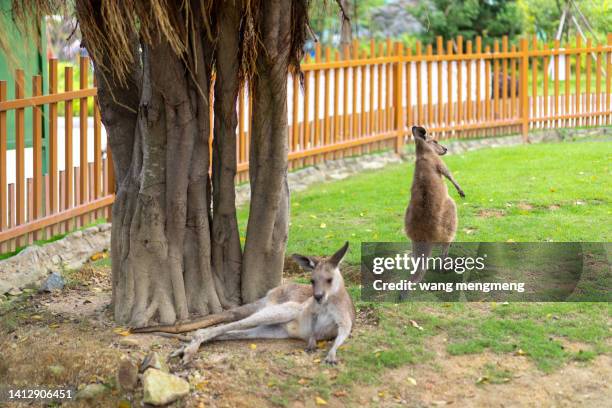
[[28, 52]]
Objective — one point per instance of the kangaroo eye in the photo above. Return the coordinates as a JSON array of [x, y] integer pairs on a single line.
[[312, 281], [329, 280]]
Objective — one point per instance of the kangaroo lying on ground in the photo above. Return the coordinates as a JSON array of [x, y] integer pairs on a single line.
[[320, 311], [431, 216]]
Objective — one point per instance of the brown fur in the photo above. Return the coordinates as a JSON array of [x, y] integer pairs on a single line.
[[320, 311], [431, 215], [289, 292]]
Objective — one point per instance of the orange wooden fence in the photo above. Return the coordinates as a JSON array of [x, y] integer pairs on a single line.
[[67, 196], [349, 102]]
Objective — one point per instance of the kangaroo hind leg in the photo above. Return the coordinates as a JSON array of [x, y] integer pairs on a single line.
[[421, 250], [271, 331], [445, 247], [269, 315], [225, 316]]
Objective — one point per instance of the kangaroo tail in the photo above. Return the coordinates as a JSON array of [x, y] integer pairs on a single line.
[[226, 316]]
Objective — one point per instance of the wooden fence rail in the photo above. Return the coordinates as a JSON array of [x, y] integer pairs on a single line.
[[364, 101], [70, 194]]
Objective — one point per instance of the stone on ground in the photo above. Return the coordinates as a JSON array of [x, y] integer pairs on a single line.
[[153, 360], [15, 292], [129, 341], [53, 282], [127, 375], [161, 388], [91, 391]]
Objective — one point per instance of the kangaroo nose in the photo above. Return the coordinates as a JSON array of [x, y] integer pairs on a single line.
[[318, 297]]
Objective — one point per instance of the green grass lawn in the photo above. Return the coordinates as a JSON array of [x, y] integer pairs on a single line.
[[556, 191]]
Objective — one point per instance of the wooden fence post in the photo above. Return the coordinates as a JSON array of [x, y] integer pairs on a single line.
[[37, 125], [524, 89], [398, 97], [53, 163], [20, 149]]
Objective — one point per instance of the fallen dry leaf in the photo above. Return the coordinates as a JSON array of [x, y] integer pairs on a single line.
[[320, 401], [416, 325], [482, 380], [201, 386], [97, 256], [122, 331], [124, 404]]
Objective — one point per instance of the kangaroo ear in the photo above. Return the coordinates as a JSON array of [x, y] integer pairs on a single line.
[[339, 255], [419, 133], [308, 264]]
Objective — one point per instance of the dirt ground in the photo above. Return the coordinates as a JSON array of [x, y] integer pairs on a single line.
[[74, 330]]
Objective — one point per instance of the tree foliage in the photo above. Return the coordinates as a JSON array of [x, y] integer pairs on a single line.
[[542, 17], [326, 24], [490, 19]]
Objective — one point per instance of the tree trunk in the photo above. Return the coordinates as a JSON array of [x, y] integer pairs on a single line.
[[161, 244], [227, 253], [346, 32], [175, 243], [267, 228]]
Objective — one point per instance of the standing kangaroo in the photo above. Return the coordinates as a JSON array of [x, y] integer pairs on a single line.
[[431, 216], [322, 310]]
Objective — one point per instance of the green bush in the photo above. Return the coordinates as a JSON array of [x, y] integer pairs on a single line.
[[61, 85]]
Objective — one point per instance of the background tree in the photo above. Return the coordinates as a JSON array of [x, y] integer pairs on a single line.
[[175, 242], [542, 17], [346, 31], [327, 22], [490, 19]]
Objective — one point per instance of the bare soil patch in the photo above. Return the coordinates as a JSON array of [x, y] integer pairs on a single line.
[[525, 206], [491, 213], [492, 380], [74, 330]]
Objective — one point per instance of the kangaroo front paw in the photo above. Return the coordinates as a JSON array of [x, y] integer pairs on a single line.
[[331, 360], [461, 193], [189, 352]]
